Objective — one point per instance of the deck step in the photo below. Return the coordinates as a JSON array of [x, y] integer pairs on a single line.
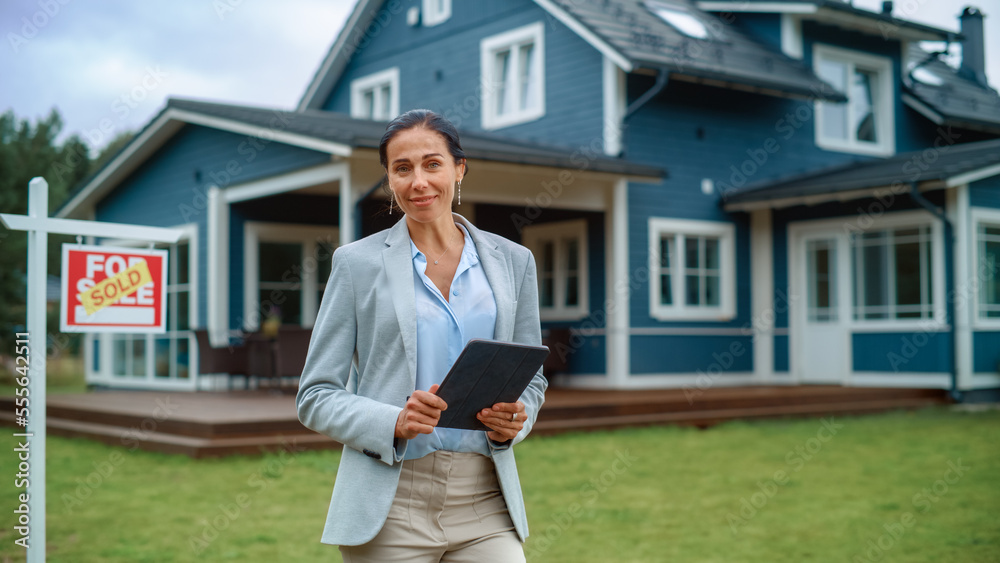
[[196, 447]]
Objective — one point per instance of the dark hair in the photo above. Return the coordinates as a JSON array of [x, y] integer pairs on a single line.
[[429, 120]]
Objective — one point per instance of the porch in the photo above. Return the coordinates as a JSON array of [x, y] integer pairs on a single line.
[[210, 424]]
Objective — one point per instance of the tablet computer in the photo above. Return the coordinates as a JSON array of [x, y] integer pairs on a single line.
[[487, 372]]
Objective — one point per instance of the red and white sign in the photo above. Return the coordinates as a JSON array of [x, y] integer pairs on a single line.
[[106, 289]]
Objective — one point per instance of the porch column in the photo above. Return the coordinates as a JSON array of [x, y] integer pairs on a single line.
[[762, 294], [957, 204], [347, 203], [617, 302], [218, 268]]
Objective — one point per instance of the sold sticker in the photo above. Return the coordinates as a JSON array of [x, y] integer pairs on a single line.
[[111, 290]]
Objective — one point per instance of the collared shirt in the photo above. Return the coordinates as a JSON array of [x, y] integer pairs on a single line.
[[443, 329]]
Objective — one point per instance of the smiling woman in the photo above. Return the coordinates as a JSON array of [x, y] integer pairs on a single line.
[[405, 303]]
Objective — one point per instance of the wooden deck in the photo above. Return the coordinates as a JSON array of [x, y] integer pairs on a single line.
[[249, 422]]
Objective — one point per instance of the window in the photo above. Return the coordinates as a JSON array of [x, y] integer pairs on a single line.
[[560, 251], [172, 351], [163, 357], [987, 269], [286, 268], [376, 96], [692, 270], [512, 66], [821, 282], [436, 11], [865, 123], [893, 274]]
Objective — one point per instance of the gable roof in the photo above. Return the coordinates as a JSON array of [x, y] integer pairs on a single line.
[[951, 166], [937, 91], [837, 12], [726, 56], [630, 35], [334, 133]]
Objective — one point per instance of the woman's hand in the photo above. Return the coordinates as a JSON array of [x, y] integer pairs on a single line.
[[420, 414], [506, 420]]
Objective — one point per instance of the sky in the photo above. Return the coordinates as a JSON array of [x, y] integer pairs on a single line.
[[109, 65]]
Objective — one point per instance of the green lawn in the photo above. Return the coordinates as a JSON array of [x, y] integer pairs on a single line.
[[926, 485]]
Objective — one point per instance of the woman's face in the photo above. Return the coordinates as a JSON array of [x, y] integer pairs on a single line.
[[422, 174]]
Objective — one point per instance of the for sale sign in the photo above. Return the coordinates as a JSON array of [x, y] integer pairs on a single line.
[[107, 289]]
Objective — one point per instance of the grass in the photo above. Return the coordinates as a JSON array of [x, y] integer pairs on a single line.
[[63, 374], [651, 494]]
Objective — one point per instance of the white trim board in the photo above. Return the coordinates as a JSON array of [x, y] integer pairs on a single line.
[[766, 7], [661, 381], [931, 380], [287, 182]]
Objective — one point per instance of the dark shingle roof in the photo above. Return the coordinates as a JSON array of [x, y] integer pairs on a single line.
[[902, 169], [363, 133], [727, 55], [956, 100]]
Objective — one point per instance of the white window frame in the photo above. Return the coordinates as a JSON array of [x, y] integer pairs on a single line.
[[680, 310], [104, 374], [255, 232], [374, 83], [434, 16], [488, 47], [533, 237], [883, 106], [903, 220], [980, 216]]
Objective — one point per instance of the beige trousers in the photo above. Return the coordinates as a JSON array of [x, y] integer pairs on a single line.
[[448, 507]]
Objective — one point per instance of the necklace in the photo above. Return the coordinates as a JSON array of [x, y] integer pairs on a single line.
[[445, 251]]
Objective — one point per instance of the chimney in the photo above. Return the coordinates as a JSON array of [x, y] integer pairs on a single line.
[[973, 48], [887, 8]]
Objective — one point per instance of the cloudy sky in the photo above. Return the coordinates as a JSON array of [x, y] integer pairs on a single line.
[[117, 61]]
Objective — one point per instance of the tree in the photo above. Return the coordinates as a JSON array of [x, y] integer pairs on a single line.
[[28, 150]]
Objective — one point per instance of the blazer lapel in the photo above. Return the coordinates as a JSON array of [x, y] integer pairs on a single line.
[[398, 265], [497, 269]]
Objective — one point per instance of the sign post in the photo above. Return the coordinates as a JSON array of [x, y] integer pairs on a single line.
[[38, 224]]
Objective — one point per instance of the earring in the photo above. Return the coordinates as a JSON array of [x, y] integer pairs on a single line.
[[392, 196], [460, 192]]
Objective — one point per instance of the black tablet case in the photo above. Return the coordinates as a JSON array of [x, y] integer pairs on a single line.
[[487, 372]]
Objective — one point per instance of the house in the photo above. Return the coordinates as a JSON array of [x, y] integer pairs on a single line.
[[716, 193]]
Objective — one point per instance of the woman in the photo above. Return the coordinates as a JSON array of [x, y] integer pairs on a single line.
[[399, 308]]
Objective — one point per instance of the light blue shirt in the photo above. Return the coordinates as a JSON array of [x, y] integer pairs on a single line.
[[443, 329]]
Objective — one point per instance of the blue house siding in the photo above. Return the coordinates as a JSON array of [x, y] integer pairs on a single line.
[[916, 352], [764, 28], [710, 355], [440, 70], [986, 352], [781, 353], [985, 193], [170, 188]]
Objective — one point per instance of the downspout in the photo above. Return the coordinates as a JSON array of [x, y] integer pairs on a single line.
[[658, 86], [949, 237]]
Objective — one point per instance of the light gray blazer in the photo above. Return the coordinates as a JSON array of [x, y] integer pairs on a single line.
[[367, 320]]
